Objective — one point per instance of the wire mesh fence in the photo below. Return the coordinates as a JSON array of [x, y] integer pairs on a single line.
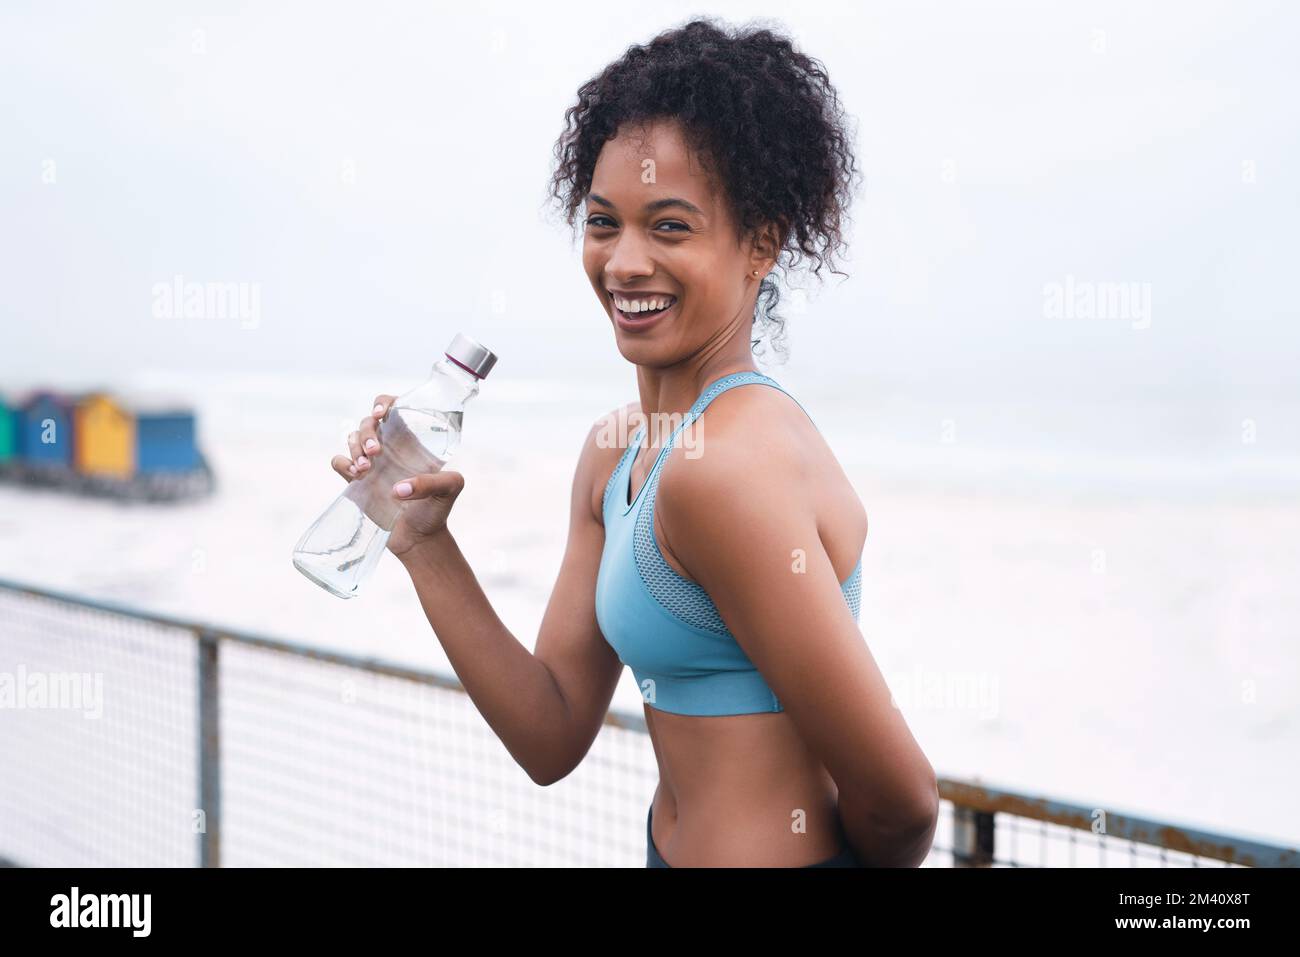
[[130, 739]]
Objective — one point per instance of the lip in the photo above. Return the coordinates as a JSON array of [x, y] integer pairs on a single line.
[[628, 324], [634, 293]]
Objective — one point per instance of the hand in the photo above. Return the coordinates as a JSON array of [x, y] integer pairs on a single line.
[[428, 496]]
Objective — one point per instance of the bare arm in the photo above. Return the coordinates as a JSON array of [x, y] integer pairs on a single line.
[[792, 621], [545, 706]]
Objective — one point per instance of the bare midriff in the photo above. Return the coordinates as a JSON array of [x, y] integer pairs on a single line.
[[740, 791]]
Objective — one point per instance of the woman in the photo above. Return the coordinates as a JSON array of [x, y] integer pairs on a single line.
[[727, 578]]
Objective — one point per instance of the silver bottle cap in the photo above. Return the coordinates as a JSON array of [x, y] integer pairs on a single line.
[[471, 356]]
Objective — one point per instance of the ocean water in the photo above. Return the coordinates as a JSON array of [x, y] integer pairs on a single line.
[[1094, 601]]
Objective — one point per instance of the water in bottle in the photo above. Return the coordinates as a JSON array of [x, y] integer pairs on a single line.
[[417, 435]]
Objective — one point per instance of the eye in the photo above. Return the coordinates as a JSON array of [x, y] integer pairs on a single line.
[[607, 223]]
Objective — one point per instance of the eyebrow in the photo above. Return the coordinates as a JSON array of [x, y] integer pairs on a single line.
[[653, 206]]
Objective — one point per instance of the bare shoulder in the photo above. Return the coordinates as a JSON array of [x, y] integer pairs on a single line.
[[762, 419], [760, 441], [603, 446], [756, 437]]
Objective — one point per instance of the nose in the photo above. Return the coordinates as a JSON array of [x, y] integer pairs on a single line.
[[629, 259]]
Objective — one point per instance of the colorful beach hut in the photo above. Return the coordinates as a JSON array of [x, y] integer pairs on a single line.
[[104, 436], [8, 430], [45, 430], [165, 439]]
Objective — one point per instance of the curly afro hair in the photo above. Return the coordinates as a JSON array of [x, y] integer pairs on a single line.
[[762, 117]]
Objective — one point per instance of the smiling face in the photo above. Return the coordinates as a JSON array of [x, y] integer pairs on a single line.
[[657, 233]]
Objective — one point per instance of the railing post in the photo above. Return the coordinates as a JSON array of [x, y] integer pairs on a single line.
[[209, 751], [972, 837]]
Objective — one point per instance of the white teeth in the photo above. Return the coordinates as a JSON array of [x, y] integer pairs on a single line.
[[642, 305]]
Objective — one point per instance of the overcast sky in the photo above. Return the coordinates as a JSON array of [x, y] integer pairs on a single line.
[[377, 173]]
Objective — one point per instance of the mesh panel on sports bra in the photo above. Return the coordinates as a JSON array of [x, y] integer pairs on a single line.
[[681, 596], [853, 590]]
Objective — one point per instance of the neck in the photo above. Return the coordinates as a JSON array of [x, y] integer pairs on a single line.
[[671, 390], [668, 393]]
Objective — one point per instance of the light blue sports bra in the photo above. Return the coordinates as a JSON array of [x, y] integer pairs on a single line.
[[663, 626]]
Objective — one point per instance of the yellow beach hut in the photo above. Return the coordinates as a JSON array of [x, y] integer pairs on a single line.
[[103, 436]]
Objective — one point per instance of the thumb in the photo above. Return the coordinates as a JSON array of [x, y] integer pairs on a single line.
[[446, 483]]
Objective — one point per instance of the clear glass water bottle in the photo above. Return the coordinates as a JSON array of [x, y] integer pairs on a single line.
[[417, 434]]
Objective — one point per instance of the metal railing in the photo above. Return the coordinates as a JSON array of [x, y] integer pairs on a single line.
[[138, 739]]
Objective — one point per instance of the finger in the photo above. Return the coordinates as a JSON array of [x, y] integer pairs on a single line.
[[370, 425], [343, 465], [354, 449], [446, 483], [369, 436]]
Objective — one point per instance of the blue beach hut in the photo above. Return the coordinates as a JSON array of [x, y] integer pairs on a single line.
[[45, 430], [165, 435]]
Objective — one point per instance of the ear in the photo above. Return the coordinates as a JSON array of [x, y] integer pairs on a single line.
[[766, 246]]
